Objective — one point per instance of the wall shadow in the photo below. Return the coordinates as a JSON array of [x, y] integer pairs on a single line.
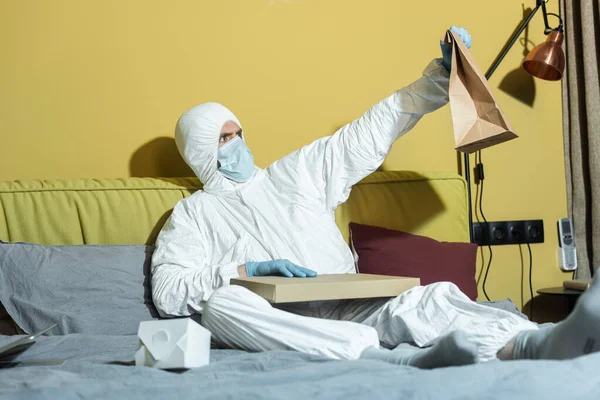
[[420, 204], [408, 213], [159, 158], [518, 83]]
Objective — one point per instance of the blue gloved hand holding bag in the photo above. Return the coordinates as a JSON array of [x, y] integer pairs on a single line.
[[447, 49]]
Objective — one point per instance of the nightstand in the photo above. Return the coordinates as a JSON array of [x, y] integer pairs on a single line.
[[569, 295]]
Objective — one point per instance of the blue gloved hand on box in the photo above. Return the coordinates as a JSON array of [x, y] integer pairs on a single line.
[[447, 49], [278, 268]]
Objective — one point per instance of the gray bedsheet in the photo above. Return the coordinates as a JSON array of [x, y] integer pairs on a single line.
[[87, 373]]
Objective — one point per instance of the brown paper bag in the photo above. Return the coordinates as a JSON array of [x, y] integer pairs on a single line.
[[476, 116]]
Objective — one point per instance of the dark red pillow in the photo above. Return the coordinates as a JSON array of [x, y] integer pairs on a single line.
[[387, 252]]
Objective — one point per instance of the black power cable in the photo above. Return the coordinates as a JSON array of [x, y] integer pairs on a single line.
[[479, 200], [530, 282], [480, 178]]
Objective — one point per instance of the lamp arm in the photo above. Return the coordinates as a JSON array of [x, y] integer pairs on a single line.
[[547, 28], [513, 39]]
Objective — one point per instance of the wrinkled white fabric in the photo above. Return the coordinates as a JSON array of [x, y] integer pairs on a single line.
[[424, 313], [238, 318], [419, 316], [283, 211]]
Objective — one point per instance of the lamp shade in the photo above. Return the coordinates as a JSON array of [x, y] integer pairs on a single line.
[[547, 60]]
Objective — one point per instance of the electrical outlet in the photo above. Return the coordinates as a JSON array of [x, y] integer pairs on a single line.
[[508, 232]]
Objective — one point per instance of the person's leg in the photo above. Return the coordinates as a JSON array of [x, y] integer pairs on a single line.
[[450, 350], [577, 335], [238, 318], [425, 315]]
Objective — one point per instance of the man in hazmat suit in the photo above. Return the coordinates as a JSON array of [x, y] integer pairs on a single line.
[[280, 221]]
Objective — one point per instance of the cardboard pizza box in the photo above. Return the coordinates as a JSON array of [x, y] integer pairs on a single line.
[[278, 289]]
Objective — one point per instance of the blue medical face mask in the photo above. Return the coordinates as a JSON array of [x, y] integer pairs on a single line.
[[237, 163]]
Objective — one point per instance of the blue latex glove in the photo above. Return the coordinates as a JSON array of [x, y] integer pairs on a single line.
[[278, 267], [447, 49]]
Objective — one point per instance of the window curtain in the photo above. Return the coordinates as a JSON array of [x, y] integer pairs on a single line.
[[581, 116]]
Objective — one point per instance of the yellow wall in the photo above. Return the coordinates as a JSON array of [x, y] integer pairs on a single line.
[[94, 88]]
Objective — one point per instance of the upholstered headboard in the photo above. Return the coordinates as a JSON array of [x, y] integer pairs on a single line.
[[133, 210]]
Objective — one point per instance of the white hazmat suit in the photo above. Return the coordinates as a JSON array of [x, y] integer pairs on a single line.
[[286, 211]]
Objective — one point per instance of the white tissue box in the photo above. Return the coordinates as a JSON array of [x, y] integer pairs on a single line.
[[173, 344]]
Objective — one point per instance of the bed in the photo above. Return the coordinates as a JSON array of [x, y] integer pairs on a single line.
[[128, 214]]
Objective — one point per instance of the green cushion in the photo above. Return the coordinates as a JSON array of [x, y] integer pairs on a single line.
[[89, 211]]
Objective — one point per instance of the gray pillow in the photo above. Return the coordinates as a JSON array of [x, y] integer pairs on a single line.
[[506, 305], [84, 289]]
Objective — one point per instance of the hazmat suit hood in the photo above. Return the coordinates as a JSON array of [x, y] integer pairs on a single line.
[[197, 138]]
